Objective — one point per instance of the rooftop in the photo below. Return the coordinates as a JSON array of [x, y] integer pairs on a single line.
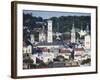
[[79, 49], [53, 43]]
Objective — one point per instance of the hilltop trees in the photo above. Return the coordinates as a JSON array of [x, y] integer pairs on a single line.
[[60, 24]]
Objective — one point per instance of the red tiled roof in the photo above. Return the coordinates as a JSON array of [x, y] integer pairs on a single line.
[[44, 49], [79, 49], [64, 51]]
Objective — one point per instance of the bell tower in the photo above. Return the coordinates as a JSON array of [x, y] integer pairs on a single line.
[[49, 36], [73, 37]]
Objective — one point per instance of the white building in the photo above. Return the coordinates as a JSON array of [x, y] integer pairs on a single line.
[[42, 35], [50, 35], [27, 49], [33, 57], [65, 53], [78, 53], [27, 52], [87, 42], [73, 37], [47, 57]]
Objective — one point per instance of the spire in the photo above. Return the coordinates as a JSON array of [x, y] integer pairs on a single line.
[[43, 29], [81, 27], [73, 38], [73, 28], [87, 28]]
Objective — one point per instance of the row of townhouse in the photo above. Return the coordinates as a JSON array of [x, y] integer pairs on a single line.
[[47, 55]]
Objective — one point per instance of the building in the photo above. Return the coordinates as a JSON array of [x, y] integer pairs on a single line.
[[54, 44], [45, 55], [50, 33], [87, 42], [42, 35], [32, 38], [78, 53], [65, 53], [27, 49], [33, 57], [73, 37], [27, 53]]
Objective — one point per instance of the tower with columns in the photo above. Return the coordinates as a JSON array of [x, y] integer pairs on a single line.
[[87, 42], [49, 36], [73, 37]]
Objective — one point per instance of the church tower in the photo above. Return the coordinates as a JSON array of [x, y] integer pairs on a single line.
[[87, 39], [42, 35], [73, 37], [49, 36]]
